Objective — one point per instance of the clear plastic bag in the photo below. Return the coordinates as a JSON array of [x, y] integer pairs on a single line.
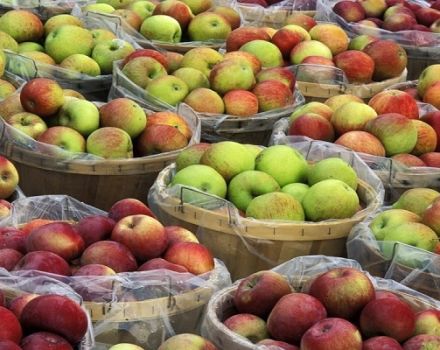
[[261, 244], [299, 271], [137, 307]]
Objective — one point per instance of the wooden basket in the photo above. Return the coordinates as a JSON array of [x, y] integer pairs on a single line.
[[419, 58], [252, 245]]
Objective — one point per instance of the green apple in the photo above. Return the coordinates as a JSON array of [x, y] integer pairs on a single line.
[[309, 48], [203, 178], [106, 52], [110, 143], [168, 89], [199, 6], [231, 75], [6, 89], [285, 164], [28, 123], [99, 8], [30, 46], [297, 190], [192, 77], [360, 42], [100, 35], [63, 137], [254, 149], [352, 116], [312, 107], [416, 200], [208, 26], [275, 206], [142, 70], [161, 28], [391, 218], [244, 187], [202, 59], [191, 155], [267, 53], [60, 20], [333, 168], [204, 100], [429, 76], [116, 4], [330, 199], [82, 64], [143, 8], [228, 158], [68, 40], [22, 25], [80, 115], [7, 42]]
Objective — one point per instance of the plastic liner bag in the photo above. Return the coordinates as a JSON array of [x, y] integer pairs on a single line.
[[92, 87], [262, 244], [417, 268], [215, 127], [396, 177], [299, 272], [15, 80], [43, 8], [137, 307], [22, 282]]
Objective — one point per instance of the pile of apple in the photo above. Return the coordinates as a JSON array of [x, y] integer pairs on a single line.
[[129, 238], [339, 310], [389, 125], [428, 86], [50, 321], [185, 341], [61, 41], [275, 183], [414, 220], [45, 113], [391, 15], [173, 21], [8, 184], [210, 82]]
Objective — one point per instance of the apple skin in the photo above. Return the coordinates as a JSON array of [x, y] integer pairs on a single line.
[[43, 261], [125, 346], [398, 22], [352, 116], [187, 341], [275, 206], [91, 288], [276, 344], [71, 324], [430, 216], [230, 14], [426, 138], [269, 54], [195, 257], [159, 263], [395, 101], [381, 343], [293, 315], [94, 228], [314, 126], [350, 11], [281, 74], [332, 333], [106, 52], [9, 179], [141, 70], [302, 20], [94, 270], [161, 28], [82, 64], [357, 66], [130, 17], [9, 345], [408, 160], [80, 115], [9, 258], [427, 16], [359, 42], [158, 56], [429, 76], [110, 143], [45, 340], [5, 208], [343, 291], [192, 77], [6, 88], [29, 123], [42, 96], [204, 100], [208, 26], [142, 234], [109, 253], [22, 25], [391, 218], [331, 35], [286, 39], [361, 141], [428, 322], [309, 48], [432, 95], [159, 138], [416, 200], [431, 159], [245, 57], [272, 94], [240, 103], [337, 101], [168, 89], [258, 293], [13, 238], [178, 234], [230, 75], [202, 59], [240, 36], [248, 326], [390, 317], [128, 206], [422, 342], [59, 20], [10, 328], [64, 137], [191, 155], [313, 107]]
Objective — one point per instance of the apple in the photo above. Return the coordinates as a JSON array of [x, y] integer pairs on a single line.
[[195, 257], [280, 74], [361, 141], [22, 25], [350, 11], [247, 185], [296, 190], [9, 258], [332, 168], [60, 20], [395, 101], [422, 342], [159, 263], [426, 138], [177, 234], [408, 160], [44, 261], [5, 208], [116, 4], [427, 16], [204, 100], [431, 159], [240, 36], [17, 304], [432, 95], [80, 115], [301, 19], [240, 103], [244, 57], [82, 64], [13, 238], [99, 8], [316, 69], [187, 341], [168, 89], [416, 200], [298, 29], [101, 34], [73, 93], [106, 52], [71, 324], [267, 53], [45, 340], [208, 26], [64, 137], [357, 66], [276, 344], [10, 328], [309, 48], [9, 345], [58, 237], [158, 138], [398, 22], [312, 125], [124, 114], [7, 42], [275, 206], [258, 293], [161, 28], [332, 36], [428, 77], [171, 119], [248, 326], [352, 116], [6, 89], [158, 56], [191, 155], [428, 322], [9, 178], [192, 77], [312, 107], [111, 254], [330, 199], [396, 132], [202, 59], [110, 143], [286, 39], [125, 346], [332, 333], [359, 42], [230, 75], [337, 101], [94, 228], [272, 94], [381, 343], [391, 218], [33, 224], [130, 17], [28, 123], [42, 96], [230, 14]]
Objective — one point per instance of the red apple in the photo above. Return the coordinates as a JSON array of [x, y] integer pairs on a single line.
[[428, 322], [128, 206], [431, 159], [10, 328], [388, 316], [142, 234], [17, 304], [426, 138], [432, 95], [422, 342], [91, 286], [395, 101], [408, 160], [195, 257], [33, 224], [277, 345], [159, 263], [177, 234], [362, 141], [171, 119], [13, 238], [59, 238], [45, 341], [240, 36], [94, 228], [280, 74], [43, 313], [381, 343], [9, 258], [301, 19], [112, 254], [94, 270], [427, 16], [431, 217], [272, 94], [349, 10], [9, 345], [332, 334], [398, 22], [42, 96], [357, 66], [314, 126], [179, 10], [343, 291], [293, 315], [383, 294], [258, 293], [286, 39], [240, 103], [158, 56], [159, 138], [44, 261], [433, 119]]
